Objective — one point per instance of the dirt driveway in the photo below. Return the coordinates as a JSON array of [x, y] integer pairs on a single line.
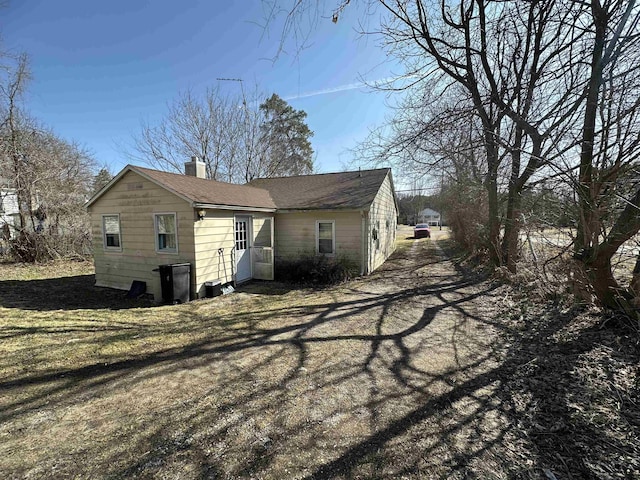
[[390, 376]]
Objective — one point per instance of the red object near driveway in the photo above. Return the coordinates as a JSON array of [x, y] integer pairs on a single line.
[[421, 230]]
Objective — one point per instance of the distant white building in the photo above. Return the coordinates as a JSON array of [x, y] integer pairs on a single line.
[[428, 216], [9, 212]]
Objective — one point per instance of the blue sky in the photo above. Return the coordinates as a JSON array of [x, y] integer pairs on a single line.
[[100, 68]]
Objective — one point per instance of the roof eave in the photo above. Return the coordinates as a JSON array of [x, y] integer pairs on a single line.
[[213, 206], [323, 209]]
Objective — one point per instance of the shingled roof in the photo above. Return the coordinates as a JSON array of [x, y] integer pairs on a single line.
[[201, 191], [327, 191], [346, 190], [204, 191]]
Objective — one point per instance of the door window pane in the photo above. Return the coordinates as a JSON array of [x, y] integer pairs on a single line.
[[241, 235]]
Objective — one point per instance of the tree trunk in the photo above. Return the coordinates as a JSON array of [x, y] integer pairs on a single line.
[[605, 287], [596, 261], [491, 185], [512, 220], [634, 285], [586, 228], [511, 232]]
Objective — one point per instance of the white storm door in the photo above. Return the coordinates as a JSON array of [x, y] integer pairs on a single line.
[[262, 248], [243, 253]]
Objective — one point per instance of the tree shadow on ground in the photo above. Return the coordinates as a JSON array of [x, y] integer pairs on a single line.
[[343, 380], [411, 373], [571, 391], [65, 293]]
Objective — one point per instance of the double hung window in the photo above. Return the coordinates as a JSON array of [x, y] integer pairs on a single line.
[[111, 236], [325, 237], [166, 232]]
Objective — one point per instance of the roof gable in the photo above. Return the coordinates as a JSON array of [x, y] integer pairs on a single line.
[[328, 191], [198, 191]]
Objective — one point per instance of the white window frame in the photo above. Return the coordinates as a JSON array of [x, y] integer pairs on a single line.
[[104, 234], [333, 237], [171, 251]]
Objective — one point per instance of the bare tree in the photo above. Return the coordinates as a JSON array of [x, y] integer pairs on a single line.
[[209, 127], [512, 66], [544, 79], [49, 177], [12, 125], [234, 136], [609, 148]]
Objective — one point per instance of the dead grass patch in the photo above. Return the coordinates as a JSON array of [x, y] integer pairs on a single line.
[[404, 374]]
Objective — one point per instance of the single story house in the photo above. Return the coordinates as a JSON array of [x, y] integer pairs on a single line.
[[144, 218]]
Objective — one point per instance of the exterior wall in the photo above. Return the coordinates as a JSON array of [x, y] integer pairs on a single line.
[[295, 233], [214, 243], [136, 199], [382, 225]]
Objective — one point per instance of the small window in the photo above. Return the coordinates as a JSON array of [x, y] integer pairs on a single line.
[[166, 232], [111, 232], [325, 237]]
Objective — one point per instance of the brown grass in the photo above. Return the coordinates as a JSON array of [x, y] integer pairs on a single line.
[[402, 374]]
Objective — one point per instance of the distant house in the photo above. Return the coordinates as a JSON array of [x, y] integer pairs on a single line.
[[428, 216], [9, 213], [234, 233]]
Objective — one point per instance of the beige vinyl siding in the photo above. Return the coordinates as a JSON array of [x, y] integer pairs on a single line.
[[296, 233], [211, 234], [382, 218], [136, 200], [215, 232]]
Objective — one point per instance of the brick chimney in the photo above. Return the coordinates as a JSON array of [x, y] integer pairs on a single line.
[[195, 168]]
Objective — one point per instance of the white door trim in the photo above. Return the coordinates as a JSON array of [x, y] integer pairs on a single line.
[[244, 270]]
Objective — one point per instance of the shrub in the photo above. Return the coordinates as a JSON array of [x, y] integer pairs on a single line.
[[467, 214], [30, 247], [309, 269]]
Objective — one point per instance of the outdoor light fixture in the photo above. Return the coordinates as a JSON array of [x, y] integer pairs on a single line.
[[201, 214]]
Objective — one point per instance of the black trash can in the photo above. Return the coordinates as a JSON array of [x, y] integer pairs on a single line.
[[175, 282]]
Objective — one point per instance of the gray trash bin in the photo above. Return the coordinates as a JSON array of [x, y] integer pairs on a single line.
[[175, 282]]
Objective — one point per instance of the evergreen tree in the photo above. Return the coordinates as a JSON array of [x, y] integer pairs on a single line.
[[286, 138], [101, 179]]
